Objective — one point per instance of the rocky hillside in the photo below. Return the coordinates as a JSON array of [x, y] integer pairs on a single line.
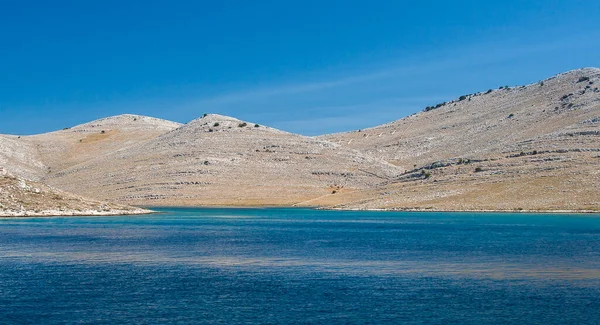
[[534, 147], [527, 147], [219, 160], [21, 198], [33, 157]]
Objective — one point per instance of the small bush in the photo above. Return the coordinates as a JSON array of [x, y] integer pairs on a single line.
[[541, 83], [463, 97], [566, 96], [582, 79], [489, 91], [511, 115], [242, 124], [478, 169], [256, 125], [216, 124], [102, 131], [205, 115]]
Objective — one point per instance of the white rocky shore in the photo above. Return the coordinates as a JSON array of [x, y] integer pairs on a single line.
[[69, 212]]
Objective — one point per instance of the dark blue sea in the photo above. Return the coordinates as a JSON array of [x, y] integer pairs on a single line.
[[300, 266]]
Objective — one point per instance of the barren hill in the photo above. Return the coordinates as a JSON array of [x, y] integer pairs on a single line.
[[21, 198], [528, 147], [71, 146], [219, 160], [534, 147], [35, 156]]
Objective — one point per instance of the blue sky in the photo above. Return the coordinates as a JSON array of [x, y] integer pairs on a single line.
[[309, 67]]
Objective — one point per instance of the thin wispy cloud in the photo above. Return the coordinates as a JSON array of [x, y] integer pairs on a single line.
[[352, 117], [452, 59]]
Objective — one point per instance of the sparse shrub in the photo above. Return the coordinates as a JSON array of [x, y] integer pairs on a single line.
[[216, 124], [429, 108], [102, 131], [478, 169], [582, 79], [427, 175], [333, 192], [489, 91], [205, 115], [541, 83], [210, 130], [463, 97], [256, 125], [511, 115], [242, 124], [534, 152], [566, 96]]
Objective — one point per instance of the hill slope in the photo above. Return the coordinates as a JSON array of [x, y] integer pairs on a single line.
[[530, 147], [33, 157], [534, 147], [219, 160]]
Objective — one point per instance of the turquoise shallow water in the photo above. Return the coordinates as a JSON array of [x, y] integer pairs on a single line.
[[289, 266]]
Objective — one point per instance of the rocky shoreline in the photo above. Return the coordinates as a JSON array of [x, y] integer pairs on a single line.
[[71, 213]]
